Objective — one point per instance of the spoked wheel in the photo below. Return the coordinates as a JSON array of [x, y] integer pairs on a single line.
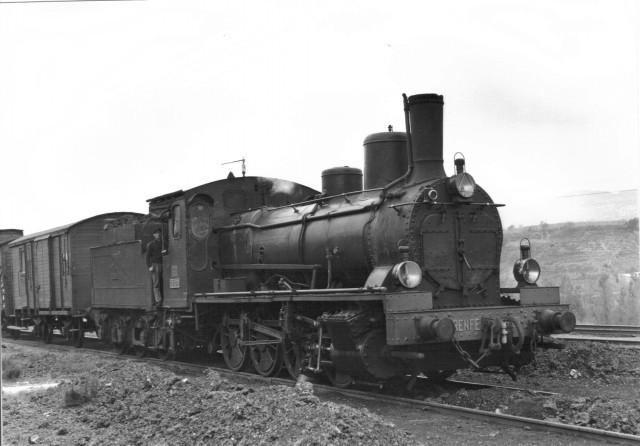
[[15, 334], [78, 336], [292, 356], [338, 379], [236, 356], [47, 333], [266, 358]]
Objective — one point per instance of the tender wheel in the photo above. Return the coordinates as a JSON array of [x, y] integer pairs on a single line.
[[236, 356], [292, 356], [267, 358], [338, 379]]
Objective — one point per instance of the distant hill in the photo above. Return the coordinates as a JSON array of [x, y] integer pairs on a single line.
[[595, 264], [597, 206]]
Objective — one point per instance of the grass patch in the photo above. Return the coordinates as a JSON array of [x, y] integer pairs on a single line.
[[11, 369], [83, 392]]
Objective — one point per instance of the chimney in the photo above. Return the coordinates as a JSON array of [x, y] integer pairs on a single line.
[[425, 116]]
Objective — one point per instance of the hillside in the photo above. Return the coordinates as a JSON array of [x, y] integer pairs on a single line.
[[596, 265]]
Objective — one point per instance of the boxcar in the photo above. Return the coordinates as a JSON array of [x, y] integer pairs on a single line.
[[51, 276]]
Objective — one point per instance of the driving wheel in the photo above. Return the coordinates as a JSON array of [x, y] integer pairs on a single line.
[[235, 355], [266, 358]]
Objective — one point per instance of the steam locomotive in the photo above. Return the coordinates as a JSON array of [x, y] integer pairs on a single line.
[[360, 284]]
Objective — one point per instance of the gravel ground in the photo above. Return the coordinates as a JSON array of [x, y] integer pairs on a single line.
[[598, 383], [131, 403], [128, 402]]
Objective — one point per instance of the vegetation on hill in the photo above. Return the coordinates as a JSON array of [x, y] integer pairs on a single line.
[[595, 264]]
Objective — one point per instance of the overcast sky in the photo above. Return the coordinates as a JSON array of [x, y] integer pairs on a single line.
[[106, 104]]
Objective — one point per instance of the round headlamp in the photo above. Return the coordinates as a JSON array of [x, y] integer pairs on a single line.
[[463, 184], [526, 270], [408, 274]]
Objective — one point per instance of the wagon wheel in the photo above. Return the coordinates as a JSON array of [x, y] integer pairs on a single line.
[[15, 334], [338, 379], [266, 358], [47, 333], [292, 355], [78, 336], [235, 355]]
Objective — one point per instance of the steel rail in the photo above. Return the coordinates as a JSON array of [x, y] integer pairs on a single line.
[[616, 329]]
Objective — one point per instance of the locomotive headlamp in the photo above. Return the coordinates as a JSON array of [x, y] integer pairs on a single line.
[[408, 274], [526, 271], [461, 183]]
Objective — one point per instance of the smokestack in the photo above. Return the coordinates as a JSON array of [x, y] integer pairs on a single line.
[[425, 116]]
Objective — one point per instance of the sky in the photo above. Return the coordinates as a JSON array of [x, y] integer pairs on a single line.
[[106, 104]]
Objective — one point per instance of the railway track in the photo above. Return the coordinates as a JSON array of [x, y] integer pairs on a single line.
[[627, 335], [591, 434], [612, 330]]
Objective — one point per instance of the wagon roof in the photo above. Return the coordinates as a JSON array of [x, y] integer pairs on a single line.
[[65, 228]]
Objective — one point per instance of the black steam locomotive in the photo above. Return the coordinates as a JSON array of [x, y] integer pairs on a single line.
[[360, 284]]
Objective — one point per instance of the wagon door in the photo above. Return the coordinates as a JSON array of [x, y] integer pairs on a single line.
[[43, 270], [29, 275], [65, 272], [22, 296]]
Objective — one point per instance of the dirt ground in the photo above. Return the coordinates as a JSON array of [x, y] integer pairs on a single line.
[[114, 402]]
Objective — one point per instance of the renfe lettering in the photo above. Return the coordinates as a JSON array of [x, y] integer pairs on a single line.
[[467, 324]]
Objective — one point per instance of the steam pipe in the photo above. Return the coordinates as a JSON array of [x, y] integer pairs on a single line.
[[409, 149]]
